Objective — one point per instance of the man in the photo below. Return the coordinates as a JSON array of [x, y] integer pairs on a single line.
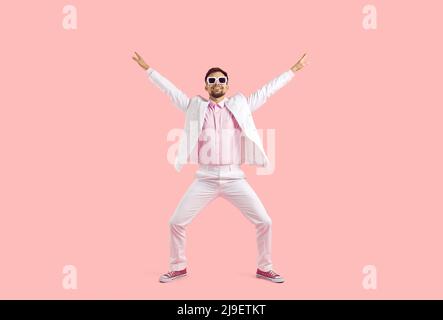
[[220, 133]]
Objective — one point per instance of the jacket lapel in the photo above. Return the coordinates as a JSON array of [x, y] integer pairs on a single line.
[[233, 107], [203, 104]]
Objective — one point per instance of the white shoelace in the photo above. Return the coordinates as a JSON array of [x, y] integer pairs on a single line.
[[273, 274]]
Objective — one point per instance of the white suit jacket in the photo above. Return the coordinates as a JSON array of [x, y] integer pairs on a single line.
[[239, 105]]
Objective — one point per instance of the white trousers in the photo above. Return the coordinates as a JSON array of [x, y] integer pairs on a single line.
[[227, 181]]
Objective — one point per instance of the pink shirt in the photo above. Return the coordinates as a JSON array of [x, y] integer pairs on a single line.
[[220, 142]]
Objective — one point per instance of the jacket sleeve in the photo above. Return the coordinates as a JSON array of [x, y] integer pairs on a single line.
[[179, 99], [258, 98]]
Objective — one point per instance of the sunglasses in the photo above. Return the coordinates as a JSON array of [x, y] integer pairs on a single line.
[[214, 80]]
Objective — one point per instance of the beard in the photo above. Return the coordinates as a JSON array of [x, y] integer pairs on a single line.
[[217, 94]]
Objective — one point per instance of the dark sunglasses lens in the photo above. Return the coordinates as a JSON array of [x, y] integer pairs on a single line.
[[211, 80], [222, 80]]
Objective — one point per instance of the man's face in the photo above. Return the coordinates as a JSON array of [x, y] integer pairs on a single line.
[[216, 90]]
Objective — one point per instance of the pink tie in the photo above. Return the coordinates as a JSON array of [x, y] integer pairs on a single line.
[[213, 105]]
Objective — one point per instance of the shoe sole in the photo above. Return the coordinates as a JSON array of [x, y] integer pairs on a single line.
[[269, 279], [172, 279]]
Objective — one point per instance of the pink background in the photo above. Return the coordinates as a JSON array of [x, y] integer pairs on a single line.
[[84, 178]]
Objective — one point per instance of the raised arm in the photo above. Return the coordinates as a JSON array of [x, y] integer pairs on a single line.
[[179, 99], [258, 98]]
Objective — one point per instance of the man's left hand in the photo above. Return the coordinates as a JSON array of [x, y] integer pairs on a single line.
[[300, 63]]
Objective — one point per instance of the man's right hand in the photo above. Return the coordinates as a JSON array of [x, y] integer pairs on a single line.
[[140, 61]]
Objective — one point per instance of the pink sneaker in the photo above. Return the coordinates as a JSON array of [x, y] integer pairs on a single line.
[[172, 275], [270, 275]]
